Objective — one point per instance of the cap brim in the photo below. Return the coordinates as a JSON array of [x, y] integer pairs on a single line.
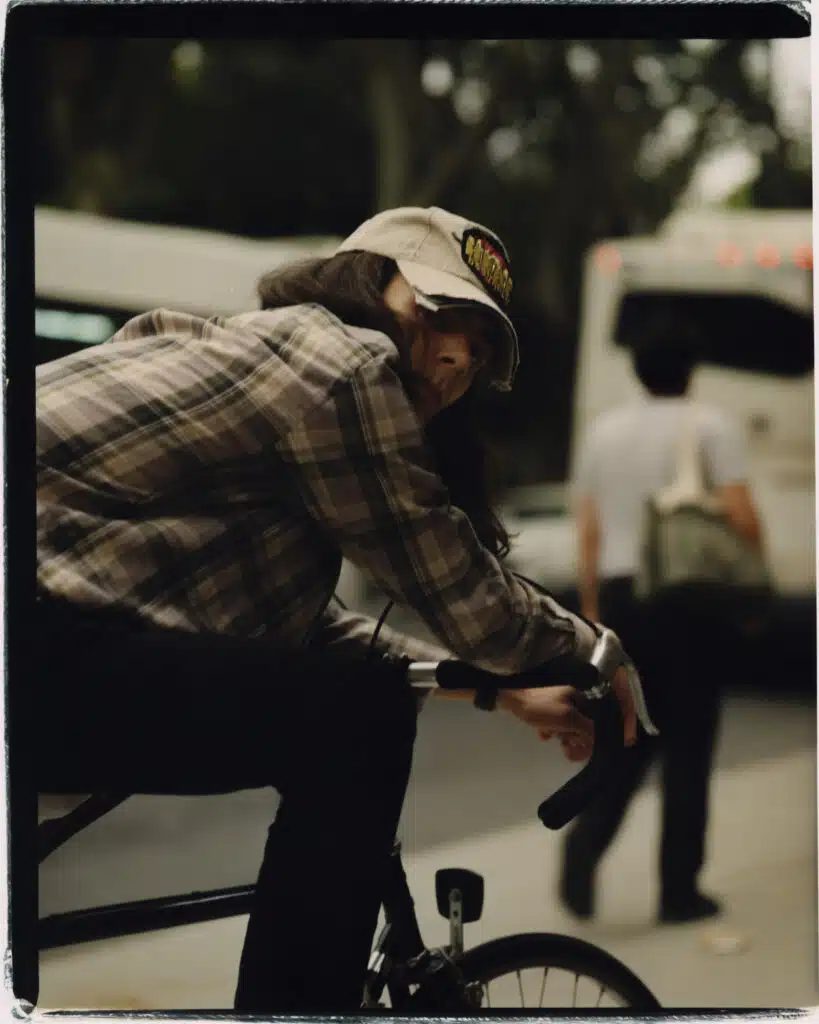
[[437, 283]]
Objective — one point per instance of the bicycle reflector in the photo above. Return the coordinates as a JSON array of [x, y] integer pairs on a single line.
[[470, 886]]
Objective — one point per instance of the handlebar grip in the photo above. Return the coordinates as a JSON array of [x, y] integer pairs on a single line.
[[563, 670], [559, 809]]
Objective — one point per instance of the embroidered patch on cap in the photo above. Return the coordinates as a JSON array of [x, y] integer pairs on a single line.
[[486, 258]]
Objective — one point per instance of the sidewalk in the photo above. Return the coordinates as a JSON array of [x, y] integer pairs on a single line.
[[763, 864]]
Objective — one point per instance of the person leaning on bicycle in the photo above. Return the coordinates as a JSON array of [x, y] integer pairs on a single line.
[[198, 482]]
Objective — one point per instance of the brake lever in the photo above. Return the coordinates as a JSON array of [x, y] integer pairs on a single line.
[[636, 687], [573, 796], [608, 657]]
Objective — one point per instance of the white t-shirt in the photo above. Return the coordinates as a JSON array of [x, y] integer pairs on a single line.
[[631, 452]]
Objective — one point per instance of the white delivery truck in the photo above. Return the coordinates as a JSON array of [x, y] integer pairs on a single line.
[[744, 280]]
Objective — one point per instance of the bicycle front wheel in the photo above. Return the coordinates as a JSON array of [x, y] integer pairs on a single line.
[[539, 970]]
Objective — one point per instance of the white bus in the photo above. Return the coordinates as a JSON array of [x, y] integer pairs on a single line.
[[94, 273]]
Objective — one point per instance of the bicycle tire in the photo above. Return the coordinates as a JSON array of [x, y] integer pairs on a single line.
[[514, 954]]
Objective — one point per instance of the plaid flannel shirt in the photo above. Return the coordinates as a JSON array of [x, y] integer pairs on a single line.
[[209, 475]]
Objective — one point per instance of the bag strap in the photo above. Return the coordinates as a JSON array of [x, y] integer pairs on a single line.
[[690, 474], [688, 485]]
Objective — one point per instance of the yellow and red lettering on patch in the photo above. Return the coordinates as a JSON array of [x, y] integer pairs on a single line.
[[482, 255]]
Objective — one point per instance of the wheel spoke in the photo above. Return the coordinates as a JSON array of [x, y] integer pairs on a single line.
[[543, 987], [568, 978]]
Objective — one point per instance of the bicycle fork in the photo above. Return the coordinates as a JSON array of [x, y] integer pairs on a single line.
[[378, 970], [399, 941]]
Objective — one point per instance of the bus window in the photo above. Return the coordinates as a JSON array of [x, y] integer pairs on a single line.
[[743, 332], [61, 328]]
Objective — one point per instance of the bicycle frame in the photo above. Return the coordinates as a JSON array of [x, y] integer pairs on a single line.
[[399, 942], [116, 919]]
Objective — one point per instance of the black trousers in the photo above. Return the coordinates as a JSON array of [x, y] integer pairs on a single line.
[[674, 647], [166, 712]]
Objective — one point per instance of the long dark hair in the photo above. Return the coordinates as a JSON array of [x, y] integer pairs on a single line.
[[351, 285]]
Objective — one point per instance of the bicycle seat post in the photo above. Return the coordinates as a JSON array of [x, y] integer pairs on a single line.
[[456, 921]]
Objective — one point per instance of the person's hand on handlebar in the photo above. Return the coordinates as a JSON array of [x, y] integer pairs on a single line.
[[576, 748], [552, 711], [577, 745]]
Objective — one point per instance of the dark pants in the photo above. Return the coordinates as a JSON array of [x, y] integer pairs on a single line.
[[674, 647], [166, 712]]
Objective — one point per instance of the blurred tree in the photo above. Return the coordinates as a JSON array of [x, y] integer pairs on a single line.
[[555, 143], [99, 104]]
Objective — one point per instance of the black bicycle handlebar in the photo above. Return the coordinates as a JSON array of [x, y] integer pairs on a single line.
[[597, 700], [563, 670], [578, 792]]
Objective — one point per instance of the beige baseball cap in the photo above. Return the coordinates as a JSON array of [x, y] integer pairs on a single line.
[[449, 261]]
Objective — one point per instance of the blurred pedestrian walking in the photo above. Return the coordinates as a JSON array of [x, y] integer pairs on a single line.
[[681, 643]]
